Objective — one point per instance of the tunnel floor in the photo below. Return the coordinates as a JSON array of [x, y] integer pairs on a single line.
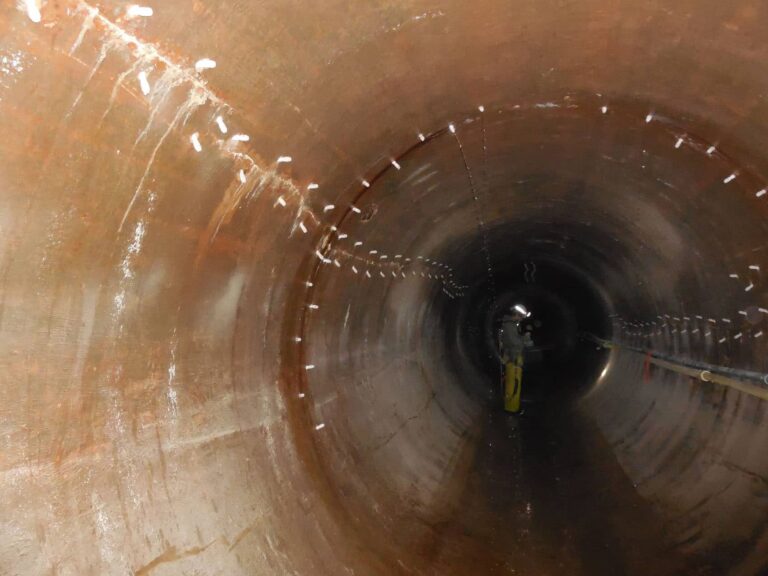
[[547, 496]]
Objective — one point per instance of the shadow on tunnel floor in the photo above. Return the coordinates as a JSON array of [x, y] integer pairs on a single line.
[[546, 496]]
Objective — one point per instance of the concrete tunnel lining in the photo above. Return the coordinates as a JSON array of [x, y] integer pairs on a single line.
[[159, 416]]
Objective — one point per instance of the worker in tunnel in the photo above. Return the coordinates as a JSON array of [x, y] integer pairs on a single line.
[[514, 340]]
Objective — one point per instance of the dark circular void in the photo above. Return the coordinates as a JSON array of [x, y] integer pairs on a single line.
[[566, 310]]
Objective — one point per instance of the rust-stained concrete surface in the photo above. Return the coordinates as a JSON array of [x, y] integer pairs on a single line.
[[242, 305]]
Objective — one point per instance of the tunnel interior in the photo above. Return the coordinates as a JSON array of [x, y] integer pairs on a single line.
[[255, 258], [566, 316]]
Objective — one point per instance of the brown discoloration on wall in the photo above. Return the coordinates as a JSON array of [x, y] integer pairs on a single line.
[[150, 301], [170, 555]]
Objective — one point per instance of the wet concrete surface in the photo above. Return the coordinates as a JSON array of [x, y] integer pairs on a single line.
[[547, 496]]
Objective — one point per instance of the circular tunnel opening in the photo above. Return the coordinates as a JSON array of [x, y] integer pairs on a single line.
[[559, 214], [567, 315]]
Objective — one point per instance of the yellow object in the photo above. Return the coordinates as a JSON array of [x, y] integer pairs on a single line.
[[513, 383]]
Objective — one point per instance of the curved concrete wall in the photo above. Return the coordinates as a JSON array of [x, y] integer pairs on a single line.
[[204, 372]]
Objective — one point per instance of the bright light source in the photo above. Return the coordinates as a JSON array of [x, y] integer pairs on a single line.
[[522, 309], [134, 11], [144, 83], [205, 64], [33, 11], [195, 139]]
